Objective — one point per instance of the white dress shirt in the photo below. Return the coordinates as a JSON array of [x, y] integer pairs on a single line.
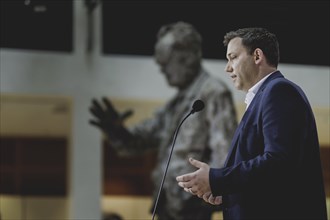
[[253, 91]]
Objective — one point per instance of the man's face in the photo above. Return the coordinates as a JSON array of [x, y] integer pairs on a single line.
[[240, 66], [176, 64]]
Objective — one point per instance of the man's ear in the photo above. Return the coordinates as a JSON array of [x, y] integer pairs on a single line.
[[258, 55]]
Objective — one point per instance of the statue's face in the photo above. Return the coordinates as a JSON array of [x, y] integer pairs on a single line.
[[178, 65]]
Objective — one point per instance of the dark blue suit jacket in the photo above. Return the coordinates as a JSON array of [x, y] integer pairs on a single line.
[[273, 169]]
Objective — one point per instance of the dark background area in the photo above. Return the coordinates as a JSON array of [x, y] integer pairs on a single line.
[[37, 24], [302, 27], [130, 27]]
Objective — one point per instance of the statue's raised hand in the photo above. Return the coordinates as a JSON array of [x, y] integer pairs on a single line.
[[107, 118]]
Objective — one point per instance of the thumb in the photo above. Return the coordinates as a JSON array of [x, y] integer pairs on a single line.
[[196, 163], [126, 114]]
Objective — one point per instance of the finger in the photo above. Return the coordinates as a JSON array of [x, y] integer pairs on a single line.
[[126, 114], [95, 123], [179, 178], [96, 109], [211, 199], [218, 200], [215, 200], [97, 112], [109, 107], [95, 102], [206, 196], [198, 192], [186, 189], [196, 163], [192, 191], [185, 184], [185, 178], [100, 126]]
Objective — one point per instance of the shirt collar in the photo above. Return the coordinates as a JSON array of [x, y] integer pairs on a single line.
[[253, 90]]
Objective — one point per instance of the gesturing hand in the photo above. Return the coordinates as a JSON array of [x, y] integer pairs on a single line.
[[197, 183], [107, 118]]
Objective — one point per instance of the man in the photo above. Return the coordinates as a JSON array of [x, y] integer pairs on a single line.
[[273, 168], [206, 135]]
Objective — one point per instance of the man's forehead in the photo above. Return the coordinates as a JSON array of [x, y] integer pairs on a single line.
[[234, 45]]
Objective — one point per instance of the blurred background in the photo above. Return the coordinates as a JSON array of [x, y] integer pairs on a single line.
[[56, 55]]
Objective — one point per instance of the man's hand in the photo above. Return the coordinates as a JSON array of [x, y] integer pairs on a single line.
[[197, 183], [107, 118], [209, 198]]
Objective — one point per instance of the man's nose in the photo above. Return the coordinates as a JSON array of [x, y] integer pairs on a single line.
[[228, 68]]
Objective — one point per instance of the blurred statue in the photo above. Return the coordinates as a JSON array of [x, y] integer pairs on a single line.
[[205, 136], [112, 216]]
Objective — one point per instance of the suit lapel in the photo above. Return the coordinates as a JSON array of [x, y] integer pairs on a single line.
[[232, 149], [249, 111]]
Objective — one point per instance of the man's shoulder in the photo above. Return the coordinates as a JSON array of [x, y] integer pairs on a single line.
[[281, 83]]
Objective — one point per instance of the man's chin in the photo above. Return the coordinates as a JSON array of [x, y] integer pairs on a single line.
[[237, 86]]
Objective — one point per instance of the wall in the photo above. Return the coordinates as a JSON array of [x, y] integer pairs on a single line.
[[83, 76]]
